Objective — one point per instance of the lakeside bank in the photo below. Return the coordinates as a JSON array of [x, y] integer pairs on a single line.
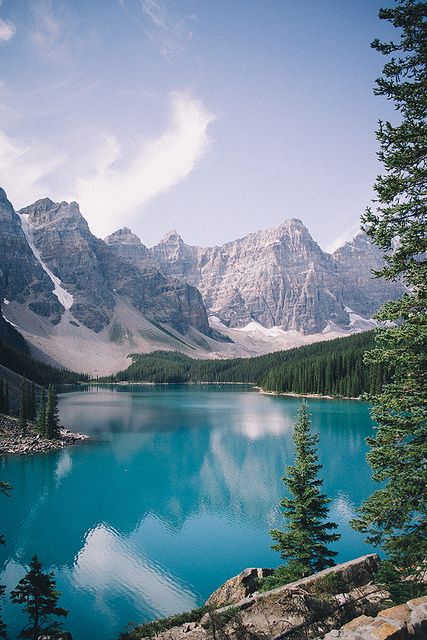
[[14, 442]]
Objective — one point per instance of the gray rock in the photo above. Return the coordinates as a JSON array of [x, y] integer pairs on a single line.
[[239, 587], [356, 260], [277, 277], [94, 274], [21, 276]]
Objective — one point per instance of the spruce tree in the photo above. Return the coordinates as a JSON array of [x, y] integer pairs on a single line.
[[41, 425], [36, 591], [52, 418], [23, 406], [6, 399], [32, 402], [395, 516], [304, 543], [2, 402]]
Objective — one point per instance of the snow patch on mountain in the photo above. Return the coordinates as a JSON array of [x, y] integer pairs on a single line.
[[65, 298]]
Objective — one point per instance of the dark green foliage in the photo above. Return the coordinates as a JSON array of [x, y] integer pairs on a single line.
[[4, 397], [31, 391], [41, 425], [401, 189], [304, 542], [52, 418], [36, 591], [23, 406], [327, 368], [279, 578], [150, 629], [39, 372], [6, 405], [395, 516], [390, 578], [9, 335]]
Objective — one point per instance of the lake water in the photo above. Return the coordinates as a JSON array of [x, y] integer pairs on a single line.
[[177, 494]]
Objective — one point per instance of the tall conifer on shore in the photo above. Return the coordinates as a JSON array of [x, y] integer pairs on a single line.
[[41, 425], [395, 516], [6, 399], [32, 413], [23, 406], [37, 593], [305, 541], [52, 417]]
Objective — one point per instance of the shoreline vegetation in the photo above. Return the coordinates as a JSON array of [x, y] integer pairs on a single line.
[[326, 369], [14, 442]]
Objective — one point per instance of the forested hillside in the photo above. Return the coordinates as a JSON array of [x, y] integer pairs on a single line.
[[335, 367], [39, 372]]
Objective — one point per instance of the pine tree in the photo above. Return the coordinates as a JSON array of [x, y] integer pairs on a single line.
[[52, 418], [2, 402], [32, 402], [304, 543], [23, 406], [6, 399], [395, 516], [36, 591], [41, 420]]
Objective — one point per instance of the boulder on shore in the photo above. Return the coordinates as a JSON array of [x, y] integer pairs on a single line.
[[239, 587]]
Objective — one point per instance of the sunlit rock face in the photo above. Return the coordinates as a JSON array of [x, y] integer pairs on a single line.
[[356, 260], [127, 245], [95, 274], [51, 262], [278, 277]]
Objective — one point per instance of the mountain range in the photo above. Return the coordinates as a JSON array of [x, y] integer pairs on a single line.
[[87, 303]]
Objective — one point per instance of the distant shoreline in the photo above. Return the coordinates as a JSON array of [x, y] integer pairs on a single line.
[[290, 394], [315, 396]]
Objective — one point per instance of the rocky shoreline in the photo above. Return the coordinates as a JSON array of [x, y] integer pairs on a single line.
[[13, 442]]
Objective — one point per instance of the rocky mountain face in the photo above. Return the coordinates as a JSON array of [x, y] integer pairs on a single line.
[[51, 261], [21, 276], [279, 277], [356, 260]]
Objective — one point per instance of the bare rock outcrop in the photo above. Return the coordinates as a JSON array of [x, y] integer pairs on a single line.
[[61, 264], [238, 587], [302, 609], [403, 622], [277, 277], [21, 276]]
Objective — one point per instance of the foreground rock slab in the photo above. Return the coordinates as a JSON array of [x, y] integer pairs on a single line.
[[403, 622], [306, 608]]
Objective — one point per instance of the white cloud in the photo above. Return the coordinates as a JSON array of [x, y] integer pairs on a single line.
[[110, 187], [23, 169], [111, 194], [7, 30], [54, 33], [347, 235], [170, 32]]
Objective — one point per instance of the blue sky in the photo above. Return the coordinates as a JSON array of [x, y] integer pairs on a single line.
[[213, 117]]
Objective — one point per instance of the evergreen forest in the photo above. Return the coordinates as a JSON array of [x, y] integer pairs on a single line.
[[335, 368], [23, 364]]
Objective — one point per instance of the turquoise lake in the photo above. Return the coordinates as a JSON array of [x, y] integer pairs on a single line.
[[176, 494]]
